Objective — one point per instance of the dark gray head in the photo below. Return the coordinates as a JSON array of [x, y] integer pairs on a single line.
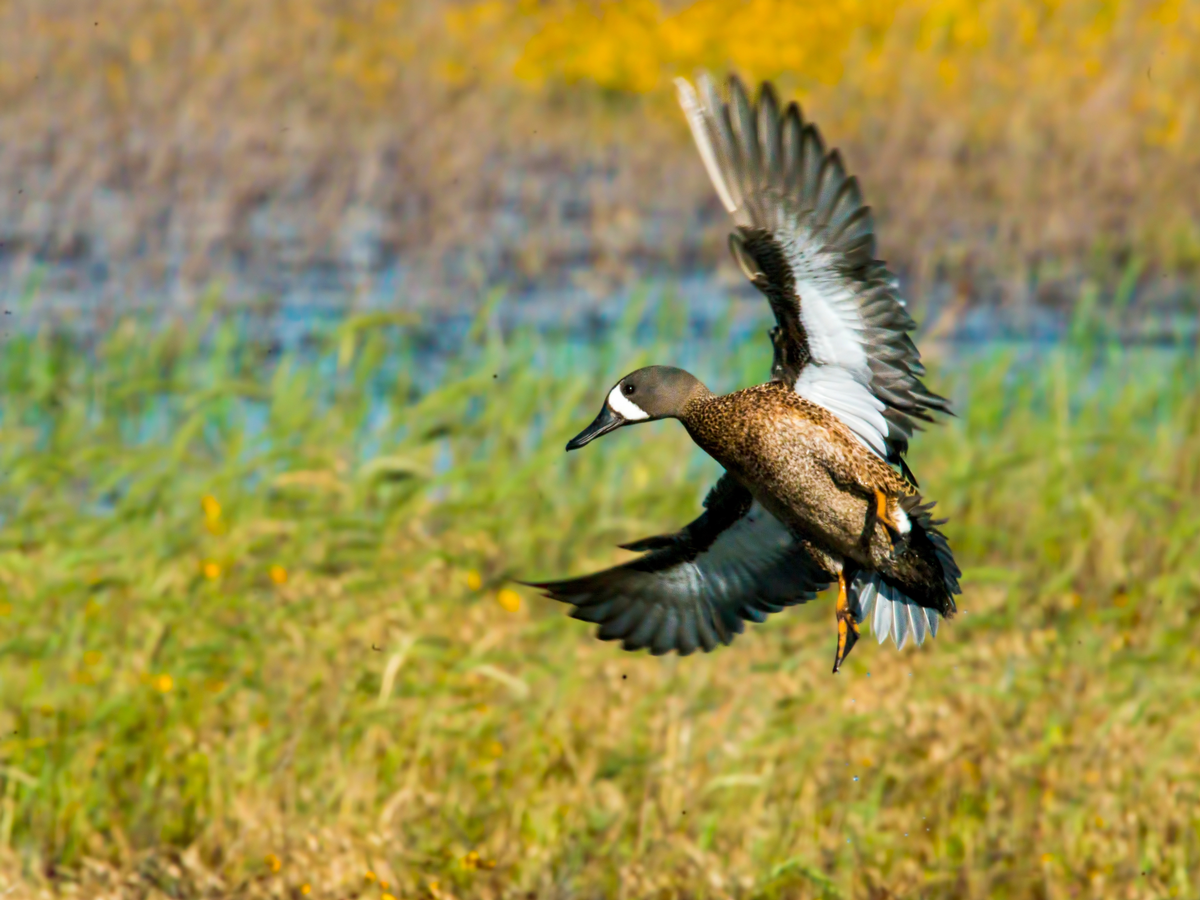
[[655, 392]]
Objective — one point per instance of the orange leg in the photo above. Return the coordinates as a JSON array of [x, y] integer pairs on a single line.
[[881, 512], [881, 506], [847, 625]]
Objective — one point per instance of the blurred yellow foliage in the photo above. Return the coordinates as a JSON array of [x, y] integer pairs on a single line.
[[631, 46], [993, 56]]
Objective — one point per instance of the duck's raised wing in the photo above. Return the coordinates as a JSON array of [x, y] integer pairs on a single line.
[[694, 588], [805, 239]]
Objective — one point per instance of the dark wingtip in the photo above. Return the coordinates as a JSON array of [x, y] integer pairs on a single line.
[[655, 542], [547, 586]]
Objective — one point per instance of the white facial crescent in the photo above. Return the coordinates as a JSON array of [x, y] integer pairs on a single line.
[[624, 407]]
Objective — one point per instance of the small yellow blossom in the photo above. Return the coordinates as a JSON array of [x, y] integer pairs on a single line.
[[386, 897], [212, 509], [212, 570], [305, 888], [474, 580], [369, 875], [164, 683], [1046, 857], [47, 709], [1099, 822], [92, 658], [274, 863], [278, 574], [212, 515], [509, 600], [496, 748], [5, 609], [384, 885]]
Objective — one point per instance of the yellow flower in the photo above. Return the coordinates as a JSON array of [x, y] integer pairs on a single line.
[[164, 683], [274, 863], [92, 658], [212, 509], [1046, 857], [387, 897], [211, 569], [474, 580], [5, 609], [278, 574], [509, 600], [496, 748], [369, 875], [305, 888]]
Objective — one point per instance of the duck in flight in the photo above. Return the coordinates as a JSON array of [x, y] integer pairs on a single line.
[[816, 488]]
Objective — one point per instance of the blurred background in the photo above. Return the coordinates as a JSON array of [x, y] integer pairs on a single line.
[[301, 300], [343, 154]]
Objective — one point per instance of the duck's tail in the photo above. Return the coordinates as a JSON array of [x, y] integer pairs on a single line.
[[917, 590]]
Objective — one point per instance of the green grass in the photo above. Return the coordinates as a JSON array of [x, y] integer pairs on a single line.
[[177, 720]]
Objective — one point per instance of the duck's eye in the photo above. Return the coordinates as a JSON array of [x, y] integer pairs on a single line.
[[628, 389]]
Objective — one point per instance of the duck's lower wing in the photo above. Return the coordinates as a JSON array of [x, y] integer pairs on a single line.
[[695, 588]]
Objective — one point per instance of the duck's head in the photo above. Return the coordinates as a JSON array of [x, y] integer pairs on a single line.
[[655, 392]]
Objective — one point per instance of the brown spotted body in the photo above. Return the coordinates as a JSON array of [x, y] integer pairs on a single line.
[[804, 466]]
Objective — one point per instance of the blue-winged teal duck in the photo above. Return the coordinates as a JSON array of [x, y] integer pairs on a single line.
[[816, 488]]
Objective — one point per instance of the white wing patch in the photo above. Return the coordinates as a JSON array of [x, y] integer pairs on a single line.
[[624, 407], [839, 376], [847, 398]]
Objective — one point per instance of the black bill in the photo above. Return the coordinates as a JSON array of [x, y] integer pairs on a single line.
[[604, 423]]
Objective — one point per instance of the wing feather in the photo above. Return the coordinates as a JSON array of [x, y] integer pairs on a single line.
[[806, 239], [695, 589]]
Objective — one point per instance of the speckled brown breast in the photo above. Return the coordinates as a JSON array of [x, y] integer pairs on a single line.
[[802, 464]]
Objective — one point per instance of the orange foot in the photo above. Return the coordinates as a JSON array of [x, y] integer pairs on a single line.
[[847, 625]]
